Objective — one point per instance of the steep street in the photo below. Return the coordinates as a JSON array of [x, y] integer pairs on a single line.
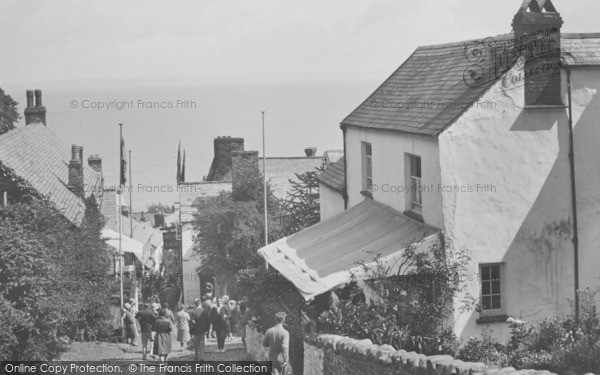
[[103, 351]]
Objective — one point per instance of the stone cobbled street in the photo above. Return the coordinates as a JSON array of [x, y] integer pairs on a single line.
[[104, 351]]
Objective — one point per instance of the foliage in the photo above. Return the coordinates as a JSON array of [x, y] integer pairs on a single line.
[[155, 208], [302, 203], [484, 349], [52, 277], [558, 344], [411, 300], [230, 230], [9, 115]]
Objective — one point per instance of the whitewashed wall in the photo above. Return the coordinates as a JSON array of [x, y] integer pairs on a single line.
[[388, 149], [331, 202]]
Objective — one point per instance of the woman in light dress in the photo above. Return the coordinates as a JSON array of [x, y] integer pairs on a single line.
[[182, 319]]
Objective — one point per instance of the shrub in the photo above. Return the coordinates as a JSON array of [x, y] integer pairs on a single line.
[[484, 349], [409, 309]]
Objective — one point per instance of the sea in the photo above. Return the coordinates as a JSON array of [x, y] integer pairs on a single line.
[[156, 118]]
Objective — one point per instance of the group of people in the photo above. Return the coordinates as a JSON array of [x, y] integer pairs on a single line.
[[219, 318]]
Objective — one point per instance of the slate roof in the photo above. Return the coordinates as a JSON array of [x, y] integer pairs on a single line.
[[333, 176], [35, 154], [281, 169], [428, 91]]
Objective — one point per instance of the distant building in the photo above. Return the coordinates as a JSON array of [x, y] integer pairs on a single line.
[[228, 152], [33, 160]]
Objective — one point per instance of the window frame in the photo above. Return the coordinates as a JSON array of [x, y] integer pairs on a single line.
[[367, 166], [501, 310], [416, 183]]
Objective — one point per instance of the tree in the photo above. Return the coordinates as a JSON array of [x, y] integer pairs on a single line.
[[53, 277], [155, 208], [230, 231], [302, 203], [9, 115]]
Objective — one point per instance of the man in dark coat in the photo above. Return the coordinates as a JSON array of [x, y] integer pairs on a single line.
[[199, 326], [146, 317], [277, 339]]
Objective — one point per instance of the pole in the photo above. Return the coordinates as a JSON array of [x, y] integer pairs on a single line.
[[135, 275], [120, 192], [573, 197], [265, 181]]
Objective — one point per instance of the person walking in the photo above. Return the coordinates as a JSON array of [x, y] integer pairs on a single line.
[[277, 339], [171, 317], [219, 319], [163, 327], [129, 324], [226, 316], [200, 321], [146, 318], [243, 317], [233, 308], [182, 319]]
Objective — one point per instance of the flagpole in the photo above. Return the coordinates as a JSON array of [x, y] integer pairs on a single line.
[[265, 181], [120, 192], [135, 276]]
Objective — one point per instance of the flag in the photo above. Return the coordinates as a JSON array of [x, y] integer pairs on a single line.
[[183, 168], [179, 163], [123, 161]]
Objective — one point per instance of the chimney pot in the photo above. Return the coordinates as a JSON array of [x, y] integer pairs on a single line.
[[38, 98], [95, 162], [29, 98], [76, 171], [310, 152], [35, 113]]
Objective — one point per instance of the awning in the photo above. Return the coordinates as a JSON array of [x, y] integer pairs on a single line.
[[128, 244], [321, 257]]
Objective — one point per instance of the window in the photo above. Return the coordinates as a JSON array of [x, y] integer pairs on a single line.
[[491, 287], [367, 166], [415, 183]]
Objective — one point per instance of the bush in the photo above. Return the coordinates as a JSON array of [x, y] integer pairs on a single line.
[[564, 344], [484, 349], [52, 279], [409, 309]]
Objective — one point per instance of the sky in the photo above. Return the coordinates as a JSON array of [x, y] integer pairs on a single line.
[[230, 56], [109, 41]]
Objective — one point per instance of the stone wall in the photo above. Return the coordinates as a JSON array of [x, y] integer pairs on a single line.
[[337, 355], [256, 351]]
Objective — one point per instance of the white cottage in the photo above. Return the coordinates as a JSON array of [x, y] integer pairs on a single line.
[[494, 141]]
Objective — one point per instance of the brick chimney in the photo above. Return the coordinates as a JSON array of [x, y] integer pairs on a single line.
[[310, 152], [221, 164], [244, 171], [536, 29], [76, 171], [35, 113], [159, 220]]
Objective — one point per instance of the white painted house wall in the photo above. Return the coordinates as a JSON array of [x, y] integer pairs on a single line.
[[585, 83], [505, 193], [389, 149], [526, 222], [331, 202]]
